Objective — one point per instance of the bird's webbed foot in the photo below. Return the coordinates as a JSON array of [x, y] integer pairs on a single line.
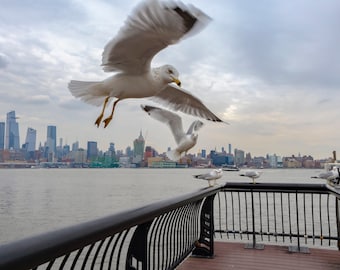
[[107, 121], [99, 119]]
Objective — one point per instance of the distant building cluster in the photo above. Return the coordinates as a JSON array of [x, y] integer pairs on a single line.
[[50, 154]]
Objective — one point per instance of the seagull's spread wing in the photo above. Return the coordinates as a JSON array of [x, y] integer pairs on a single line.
[[179, 99], [152, 26], [196, 125], [169, 118]]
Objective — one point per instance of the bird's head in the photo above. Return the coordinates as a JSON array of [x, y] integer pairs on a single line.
[[170, 74]]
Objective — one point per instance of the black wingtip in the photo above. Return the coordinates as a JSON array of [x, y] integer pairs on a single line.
[[188, 18]]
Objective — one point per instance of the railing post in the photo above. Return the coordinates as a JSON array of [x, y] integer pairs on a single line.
[[253, 245], [137, 252], [297, 248], [204, 247], [337, 220]]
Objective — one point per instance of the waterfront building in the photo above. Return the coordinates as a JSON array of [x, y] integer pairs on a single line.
[[75, 146], [79, 156], [138, 149], [31, 138], [92, 150], [12, 132], [51, 142], [30, 144], [272, 159], [219, 159], [204, 153], [239, 157], [2, 135]]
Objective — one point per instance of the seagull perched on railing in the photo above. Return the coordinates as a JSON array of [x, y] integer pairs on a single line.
[[332, 176], [211, 176], [252, 174], [185, 141], [151, 27]]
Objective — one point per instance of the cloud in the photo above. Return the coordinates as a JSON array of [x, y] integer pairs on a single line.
[[4, 61], [269, 68], [38, 99]]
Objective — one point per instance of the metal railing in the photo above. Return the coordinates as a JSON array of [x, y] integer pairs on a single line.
[[161, 235], [156, 236], [292, 214]]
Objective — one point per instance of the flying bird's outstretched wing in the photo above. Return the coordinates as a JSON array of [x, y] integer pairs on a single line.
[[167, 117], [196, 125], [152, 26], [179, 99]]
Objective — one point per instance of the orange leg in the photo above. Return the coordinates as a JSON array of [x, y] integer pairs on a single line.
[[108, 120], [99, 119]]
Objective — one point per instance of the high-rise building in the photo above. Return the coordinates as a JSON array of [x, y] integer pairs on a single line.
[[138, 149], [12, 132], [51, 142], [92, 150], [75, 146], [31, 137], [239, 157], [2, 135]]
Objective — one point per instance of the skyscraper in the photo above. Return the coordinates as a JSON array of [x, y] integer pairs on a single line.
[[12, 132], [2, 135], [138, 149], [92, 150], [51, 142], [31, 137]]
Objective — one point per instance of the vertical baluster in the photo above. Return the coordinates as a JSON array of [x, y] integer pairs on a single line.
[[253, 245], [320, 216], [274, 206], [337, 209]]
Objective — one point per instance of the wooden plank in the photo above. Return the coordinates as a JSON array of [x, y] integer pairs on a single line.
[[235, 256]]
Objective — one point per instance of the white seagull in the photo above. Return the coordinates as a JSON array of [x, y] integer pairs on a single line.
[[252, 174], [152, 26], [210, 176], [332, 176], [185, 141]]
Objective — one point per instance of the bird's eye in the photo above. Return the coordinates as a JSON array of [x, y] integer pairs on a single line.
[[170, 71]]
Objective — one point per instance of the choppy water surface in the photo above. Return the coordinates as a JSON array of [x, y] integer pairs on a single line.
[[33, 201]]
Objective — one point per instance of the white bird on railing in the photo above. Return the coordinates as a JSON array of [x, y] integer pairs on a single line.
[[252, 174], [210, 176], [332, 176]]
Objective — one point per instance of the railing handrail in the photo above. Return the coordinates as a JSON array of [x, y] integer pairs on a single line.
[[282, 187], [38, 249]]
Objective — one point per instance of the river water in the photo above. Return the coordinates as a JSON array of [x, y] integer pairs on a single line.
[[34, 201]]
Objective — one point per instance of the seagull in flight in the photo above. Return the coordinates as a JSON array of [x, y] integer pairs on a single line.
[[210, 176], [252, 174], [152, 26], [185, 141]]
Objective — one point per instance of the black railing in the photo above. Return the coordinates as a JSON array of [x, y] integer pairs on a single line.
[[161, 235], [157, 236], [292, 214]]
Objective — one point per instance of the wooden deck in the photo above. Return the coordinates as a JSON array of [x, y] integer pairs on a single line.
[[235, 256]]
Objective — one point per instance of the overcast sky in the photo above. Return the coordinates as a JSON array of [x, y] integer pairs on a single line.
[[269, 68]]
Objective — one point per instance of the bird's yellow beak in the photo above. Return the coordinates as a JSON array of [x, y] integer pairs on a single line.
[[177, 81]]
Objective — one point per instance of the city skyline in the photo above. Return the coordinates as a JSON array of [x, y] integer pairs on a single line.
[[138, 145], [269, 69]]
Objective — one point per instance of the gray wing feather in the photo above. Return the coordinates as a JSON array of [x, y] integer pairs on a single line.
[[152, 26], [179, 99]]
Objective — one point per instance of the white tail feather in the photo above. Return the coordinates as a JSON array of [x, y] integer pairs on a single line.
[[173, 155], [90, 92]]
